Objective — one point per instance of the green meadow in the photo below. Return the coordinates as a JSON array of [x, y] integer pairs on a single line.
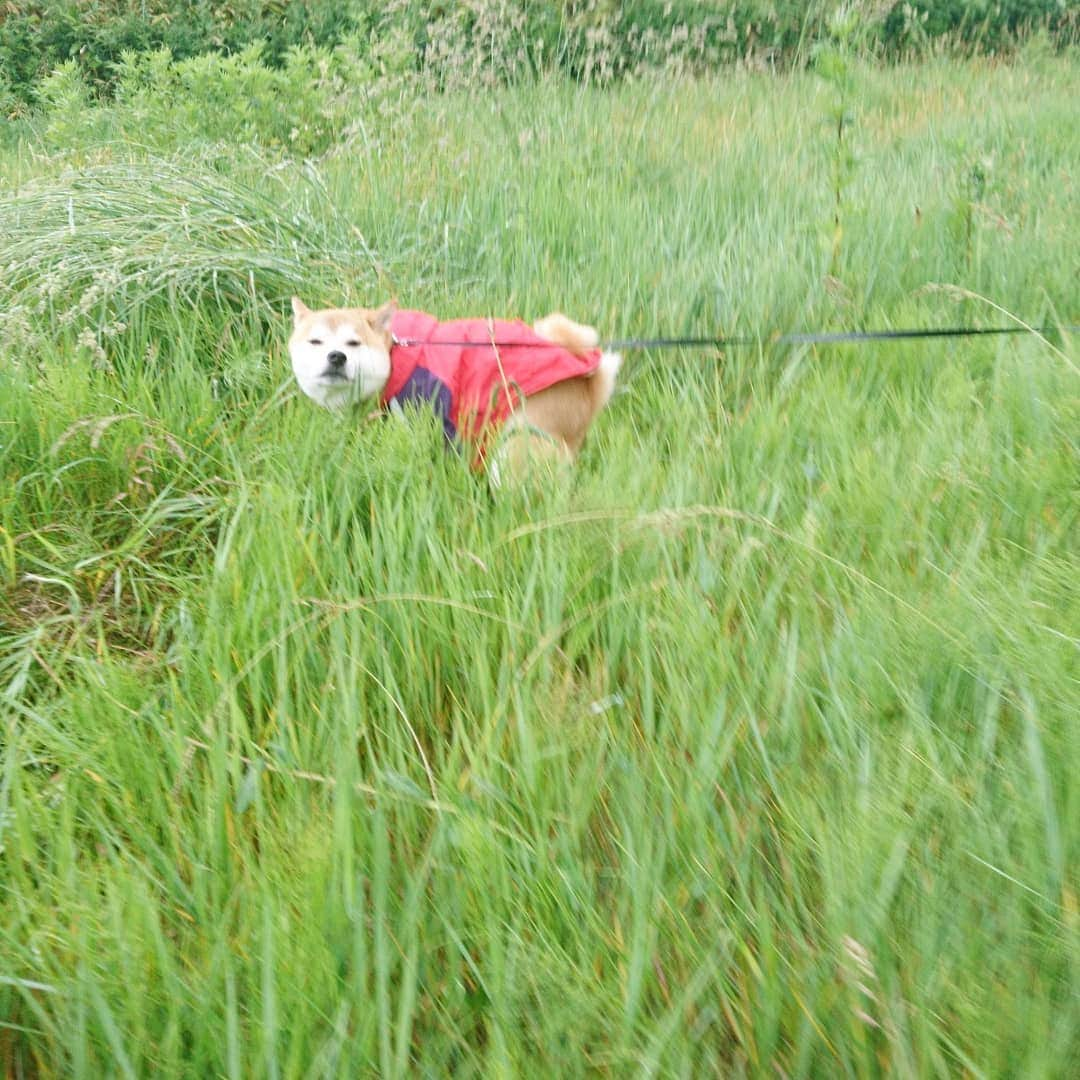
[[749, 749]]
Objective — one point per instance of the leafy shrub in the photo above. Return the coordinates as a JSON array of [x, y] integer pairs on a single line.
[[219, 97], [493, 40], [988, 25], [313, 97], [37, 37]]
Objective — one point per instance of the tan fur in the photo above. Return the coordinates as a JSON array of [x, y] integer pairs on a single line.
[[567, 333], [371, 326], [549, 427]]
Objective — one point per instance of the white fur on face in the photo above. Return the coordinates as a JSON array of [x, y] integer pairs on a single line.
[[362, 376]]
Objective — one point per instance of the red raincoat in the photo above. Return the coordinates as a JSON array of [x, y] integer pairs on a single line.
[[472, 384]]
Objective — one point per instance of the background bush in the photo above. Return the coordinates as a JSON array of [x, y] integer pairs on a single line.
[[589, 38], [37, 37]]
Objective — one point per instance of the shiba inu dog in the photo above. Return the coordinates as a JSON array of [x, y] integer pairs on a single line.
[[511, 391]]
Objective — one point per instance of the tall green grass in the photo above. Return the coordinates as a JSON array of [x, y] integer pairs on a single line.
[[750, 749]]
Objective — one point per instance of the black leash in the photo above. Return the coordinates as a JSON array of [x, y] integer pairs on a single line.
[[742, 341]]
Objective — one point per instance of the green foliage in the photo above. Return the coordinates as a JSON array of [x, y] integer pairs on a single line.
[[986, 25], [499, 40], [220, 97], [836, 61], [749, 750], [301, 105], [38, 36]]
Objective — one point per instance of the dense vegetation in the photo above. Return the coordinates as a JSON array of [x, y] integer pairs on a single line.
[[750, 749], [508, 37]]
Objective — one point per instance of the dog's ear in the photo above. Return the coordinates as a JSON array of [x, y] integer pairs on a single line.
[[299, 308], [380, 320]]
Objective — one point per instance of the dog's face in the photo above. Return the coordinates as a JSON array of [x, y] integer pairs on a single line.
[[340, 355]]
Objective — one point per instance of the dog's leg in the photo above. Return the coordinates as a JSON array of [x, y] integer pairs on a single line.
[[546, 433], [526, 453]]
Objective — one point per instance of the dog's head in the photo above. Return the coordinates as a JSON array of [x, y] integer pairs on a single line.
[[341, 355]]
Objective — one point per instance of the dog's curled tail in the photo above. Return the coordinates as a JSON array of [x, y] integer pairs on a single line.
[[579, 339], [571, 335]]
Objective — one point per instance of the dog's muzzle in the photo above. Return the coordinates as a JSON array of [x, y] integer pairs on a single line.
[[336, 370]]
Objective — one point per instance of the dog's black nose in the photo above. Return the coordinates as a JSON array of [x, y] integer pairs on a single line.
[[336, 359]]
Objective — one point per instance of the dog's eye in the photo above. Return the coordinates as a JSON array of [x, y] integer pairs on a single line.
[[314, 341], [352, 344]]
